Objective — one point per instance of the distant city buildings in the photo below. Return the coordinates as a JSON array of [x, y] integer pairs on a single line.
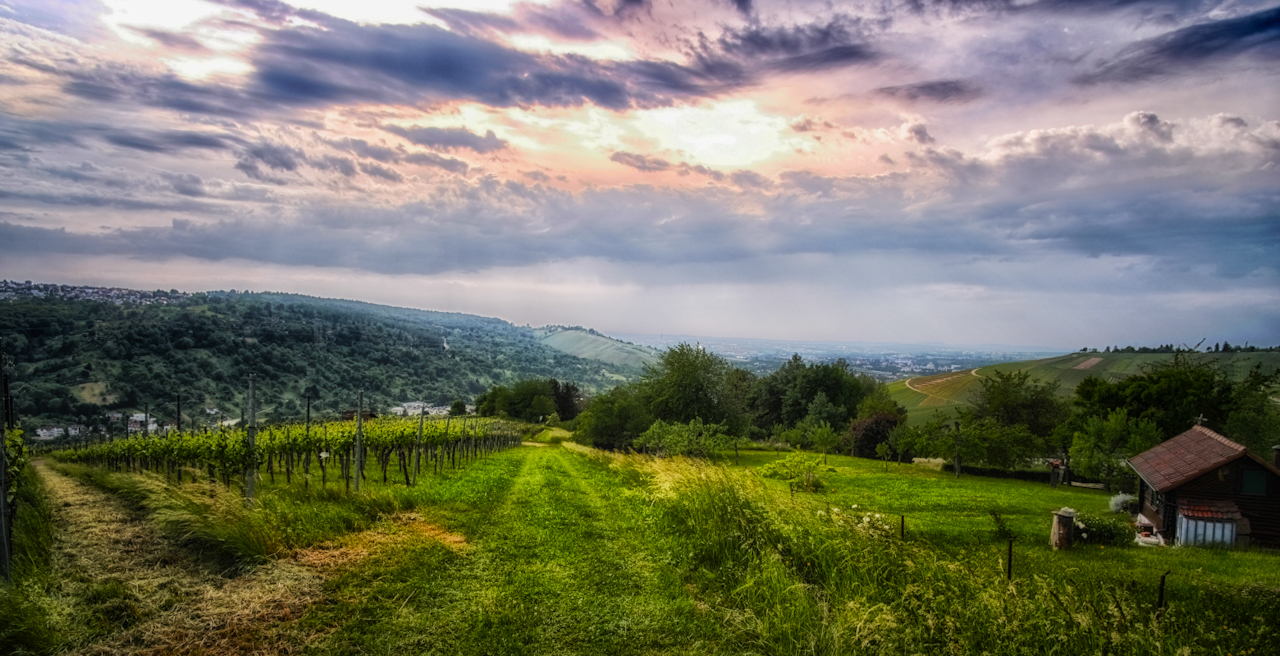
[[13, 290]]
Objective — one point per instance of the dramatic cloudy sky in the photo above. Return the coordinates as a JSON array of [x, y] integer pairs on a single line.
[[1048, 172]]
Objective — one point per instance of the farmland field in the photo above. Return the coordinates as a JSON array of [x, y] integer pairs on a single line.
[[951, 391], [566, 550]]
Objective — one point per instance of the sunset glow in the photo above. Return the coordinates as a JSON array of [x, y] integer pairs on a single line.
[[1028, 173]]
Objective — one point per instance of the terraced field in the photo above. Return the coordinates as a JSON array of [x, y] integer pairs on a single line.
[[951, 391]]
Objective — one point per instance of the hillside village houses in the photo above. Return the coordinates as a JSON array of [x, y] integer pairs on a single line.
[[1200, 488]]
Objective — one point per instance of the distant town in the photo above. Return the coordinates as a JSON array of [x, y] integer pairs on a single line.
[[12, 290]]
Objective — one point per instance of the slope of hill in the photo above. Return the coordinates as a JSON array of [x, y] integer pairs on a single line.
[[592, 345], [952, 391], [75, 358]]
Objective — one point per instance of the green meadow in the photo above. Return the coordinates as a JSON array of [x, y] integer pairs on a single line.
[[560, 549]]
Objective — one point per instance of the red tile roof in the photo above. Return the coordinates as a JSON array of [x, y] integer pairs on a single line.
[[1197, 509], [1184, 457]]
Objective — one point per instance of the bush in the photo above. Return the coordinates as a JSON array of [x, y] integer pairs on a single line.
[[798, 468], [1110, 530], [1120, 502]]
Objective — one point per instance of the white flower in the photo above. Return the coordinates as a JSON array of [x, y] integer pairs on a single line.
[[1084, 535], [854, 506], [324, 454]]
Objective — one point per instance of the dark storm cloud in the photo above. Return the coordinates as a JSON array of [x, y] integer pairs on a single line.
[[379, 171], [348, 62], [942, 91], [835, 57], [165, 141], [758, 40], [1180, 51], [344, 165], [363, 148], [448, 138], [640, 162], [439, 161], [172, 40]]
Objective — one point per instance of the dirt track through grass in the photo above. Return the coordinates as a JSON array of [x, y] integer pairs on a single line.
[[127, 589]]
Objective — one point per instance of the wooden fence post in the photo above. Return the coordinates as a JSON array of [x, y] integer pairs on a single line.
[[1008, 563], [1160, 601]]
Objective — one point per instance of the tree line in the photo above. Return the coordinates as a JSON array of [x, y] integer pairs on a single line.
[[693, 401]]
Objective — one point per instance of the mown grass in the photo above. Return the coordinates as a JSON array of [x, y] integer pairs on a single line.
[[561, 557]]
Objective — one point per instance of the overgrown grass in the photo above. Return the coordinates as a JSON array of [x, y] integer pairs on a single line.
[[25, 625], [799, 577], [219, 520]]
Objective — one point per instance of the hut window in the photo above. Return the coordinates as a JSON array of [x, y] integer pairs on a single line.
[[1254, 482]]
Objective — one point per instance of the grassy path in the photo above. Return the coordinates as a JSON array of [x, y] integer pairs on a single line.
[[559, 561], [124, 588]]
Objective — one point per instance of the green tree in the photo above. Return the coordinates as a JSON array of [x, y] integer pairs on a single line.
[[457, 408], [1014, 398], [689, 382], [614, 419], [1177, 393], [1101, 447]]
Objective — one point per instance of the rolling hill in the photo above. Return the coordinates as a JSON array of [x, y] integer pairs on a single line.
[[592, 345], [77, 353], [951, 391]]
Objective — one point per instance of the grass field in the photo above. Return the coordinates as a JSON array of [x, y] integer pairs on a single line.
[[951, 391], [560, 549]]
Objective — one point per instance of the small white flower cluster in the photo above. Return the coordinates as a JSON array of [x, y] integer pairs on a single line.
[[1080, 525]]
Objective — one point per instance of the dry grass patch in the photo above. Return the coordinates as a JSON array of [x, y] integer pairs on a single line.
[[400, 530]]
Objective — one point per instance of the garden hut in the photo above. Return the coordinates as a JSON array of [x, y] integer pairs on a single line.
[[1201, 488]]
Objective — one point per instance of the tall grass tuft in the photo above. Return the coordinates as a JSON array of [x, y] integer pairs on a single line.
[[26, 625]]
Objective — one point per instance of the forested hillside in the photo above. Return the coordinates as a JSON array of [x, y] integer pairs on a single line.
[[73, 360]]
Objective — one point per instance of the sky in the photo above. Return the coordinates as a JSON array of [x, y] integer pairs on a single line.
[[1064, 173]]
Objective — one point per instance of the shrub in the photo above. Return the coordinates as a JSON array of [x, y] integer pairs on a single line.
[[1110, 530], [798, 468]]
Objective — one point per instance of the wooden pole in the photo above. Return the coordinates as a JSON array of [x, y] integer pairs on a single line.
[[250, 465], [417, 446], [359, 455], [1160, 602], [1008, 563]]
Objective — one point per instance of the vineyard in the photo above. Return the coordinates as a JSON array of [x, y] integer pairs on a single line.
[[335, 450]]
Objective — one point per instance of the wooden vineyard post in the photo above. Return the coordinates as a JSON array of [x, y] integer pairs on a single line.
[[902, 532], [1008, 563], [306, 464], [417, 446], [359, 455], [251, 456]]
